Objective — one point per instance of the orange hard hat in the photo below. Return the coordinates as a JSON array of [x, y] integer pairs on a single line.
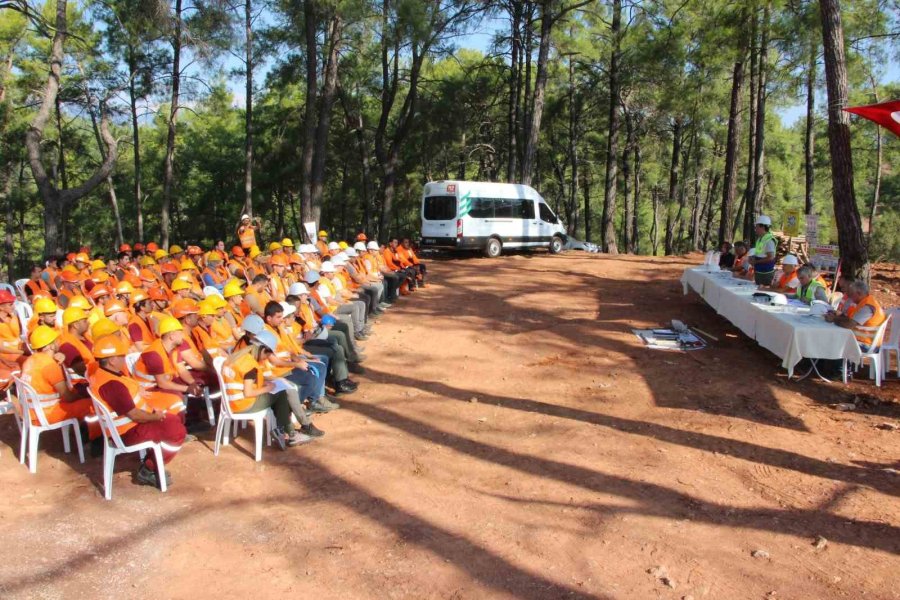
[[184, 307], [139, 296], [362, 238], [70, 256], [139, 246], [124, 248], [279, 259], [156, 293], [109, 346], [133, 279], [237, 251], [100, 277], [147, 275], [98, 291], [82, 257], [115, 306], [152, 247], [169, 267], [69, 277]]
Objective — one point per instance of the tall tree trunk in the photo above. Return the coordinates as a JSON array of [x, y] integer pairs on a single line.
[[248, 112], [711, 193], [8, 240], [512, 118], [586, 192], [136, 142], [537, 102], [635, 231], [854, 255], [607, 228], [329, 86], [627, 223], [169, 164], [741, 218], [309, 123], [654, 225], [574, 116], [809, 141], [674, 172], [759, 170], [731, 153], [56, 200], [527, 97], [356, 123]]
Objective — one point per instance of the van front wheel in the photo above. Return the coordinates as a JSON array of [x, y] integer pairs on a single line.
[[493, 248], [556, 245]]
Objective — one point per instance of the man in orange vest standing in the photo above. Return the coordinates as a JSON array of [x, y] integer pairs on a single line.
[[135, 421], [246, 231]]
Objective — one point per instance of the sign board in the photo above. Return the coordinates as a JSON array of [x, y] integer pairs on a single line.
[[792, 222], [310, 229], [812, 230], [825, 257]]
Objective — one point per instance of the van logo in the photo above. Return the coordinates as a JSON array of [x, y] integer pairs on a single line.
[[451, 188], [465, 204]]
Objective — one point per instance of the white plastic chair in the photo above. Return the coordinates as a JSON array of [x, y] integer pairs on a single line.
[[114, 446], [20, 287], [876, 367], [12, 405], [260, 419], [891, 343], [8, 288], [30, 403], [24, 311]]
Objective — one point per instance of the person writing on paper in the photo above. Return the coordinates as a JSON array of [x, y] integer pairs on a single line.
[[864, 317], [810, 288], [787, 283], [763, 259]]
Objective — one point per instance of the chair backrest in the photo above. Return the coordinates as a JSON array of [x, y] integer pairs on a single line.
[[8, 288], [20, 286], [892, 338], [105, 419], [878, 338], [836, 299], [30, 403], [24, 312], [130, 360], [218, 363]]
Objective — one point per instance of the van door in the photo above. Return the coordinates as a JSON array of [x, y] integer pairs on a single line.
[[439, 220], [548, 223]]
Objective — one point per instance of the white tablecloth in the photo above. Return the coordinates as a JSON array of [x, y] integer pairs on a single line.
[[789, 333]]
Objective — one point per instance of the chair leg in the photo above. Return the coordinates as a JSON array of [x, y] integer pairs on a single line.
[[67, 447], [258, 425], [23, 443], [160, 468], [209, 407], [221, 432], [844, 370], [78, 443], [33, 439], [109, 463]]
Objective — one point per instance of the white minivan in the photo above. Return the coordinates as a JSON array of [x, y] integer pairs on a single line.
[[476, 215]]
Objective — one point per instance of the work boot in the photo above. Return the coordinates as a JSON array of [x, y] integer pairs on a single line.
[[278, 435], [317, 406], [297, 439], [344, 387], [146, 476], [328, 403], [311, 430]]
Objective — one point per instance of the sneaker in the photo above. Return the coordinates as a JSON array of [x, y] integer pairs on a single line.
[[298, 439], [146, 476], [278, 435], [328, 403], [311, 430], [189, 438], [318, 406], [344, 387]]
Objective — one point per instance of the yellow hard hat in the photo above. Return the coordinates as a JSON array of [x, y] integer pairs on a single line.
[[254, 251], [42, 336], [188, 265], [44, 306], [287, 242], [175, 249], [97, 264], [102, 328], [232, 288], [343, 245], [146, 261], [160, 254], [70, 269], [168, 325], [274, 246], [72, 314], [217, 301], [80, 302], [180, 284], [208, 307], [323, 233]]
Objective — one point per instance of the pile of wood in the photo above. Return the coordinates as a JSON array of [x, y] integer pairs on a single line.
[[796, 245]]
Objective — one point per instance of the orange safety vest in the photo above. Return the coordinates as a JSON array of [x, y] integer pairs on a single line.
[[10, 337], [247, 236], [217, 277], [314, 294], [263, 298], [147, 334], [785, 279], [140, 369], [38, 288], [83, 351], [234, 373], [276, 284], [33, 374], [865, 333], [101, 377], [308, 317], [323, 248]]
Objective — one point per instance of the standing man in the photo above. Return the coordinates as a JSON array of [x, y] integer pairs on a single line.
[[246, 231], [763, 259]]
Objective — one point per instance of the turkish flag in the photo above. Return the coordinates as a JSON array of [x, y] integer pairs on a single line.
[[886, 114]]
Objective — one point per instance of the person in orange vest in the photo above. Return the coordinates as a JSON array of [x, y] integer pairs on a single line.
[[864, 318], [844, 282], [44, 314], [392, 263], [43, 370], [246, 231], [787, 283], [256, 297], [12, 348], [741, 259], [277, 287], [50, 273], [135, 420], [36, 287], [375, 263], [212, 274], [404, 266], [322, 243], [140, 328], [71, 287], [73, 343], [409, 254]]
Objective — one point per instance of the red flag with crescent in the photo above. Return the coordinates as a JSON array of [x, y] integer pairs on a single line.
[[886, 114]]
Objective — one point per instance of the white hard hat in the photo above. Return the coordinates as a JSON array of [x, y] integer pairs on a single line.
[[312, 277], [327, 267], [359, 246], [244, 217], [372, 245], [297, 289], [334, 246], [342, 255], [338, 262], [763, 220], [288, 309], [351, 252], [790, 259]]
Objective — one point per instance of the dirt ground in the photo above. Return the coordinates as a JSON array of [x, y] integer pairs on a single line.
[[512, 439]]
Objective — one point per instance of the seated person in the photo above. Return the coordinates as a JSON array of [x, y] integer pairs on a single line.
[[43, 370], [787, 283], [864, 317], [741, 261], [726, 256], [844, 282], [810, 288]]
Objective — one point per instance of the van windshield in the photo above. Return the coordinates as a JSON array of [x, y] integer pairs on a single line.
[[439, 208]]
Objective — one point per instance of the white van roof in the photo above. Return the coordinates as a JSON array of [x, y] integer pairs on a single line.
[[480, 189]]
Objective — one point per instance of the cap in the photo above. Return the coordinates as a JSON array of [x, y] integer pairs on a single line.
[[168, 325], [109, 346], [253, 324], [42, 336], [297, 289], [329, 321], [763, 220]]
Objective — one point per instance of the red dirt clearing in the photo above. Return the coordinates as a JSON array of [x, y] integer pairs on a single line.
[[512, 439]]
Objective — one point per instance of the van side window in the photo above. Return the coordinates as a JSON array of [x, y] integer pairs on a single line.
[[546, 214], [482, 208], [440, 208], [505, 208], [526, 209]]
